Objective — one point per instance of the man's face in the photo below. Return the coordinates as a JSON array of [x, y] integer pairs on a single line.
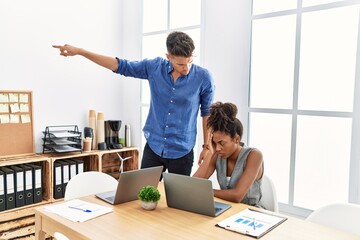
[[182, 65]]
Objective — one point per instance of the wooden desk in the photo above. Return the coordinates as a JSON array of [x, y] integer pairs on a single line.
[[130, 221]]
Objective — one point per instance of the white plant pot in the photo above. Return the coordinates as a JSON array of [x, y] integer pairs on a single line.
[[148, 205]]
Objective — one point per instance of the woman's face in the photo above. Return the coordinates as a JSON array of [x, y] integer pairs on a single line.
[[224, 145]]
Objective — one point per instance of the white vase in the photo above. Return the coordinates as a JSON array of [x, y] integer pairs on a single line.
[[148, 205]]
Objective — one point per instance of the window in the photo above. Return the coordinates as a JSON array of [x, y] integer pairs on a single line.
[[160, 17], [303, 78]]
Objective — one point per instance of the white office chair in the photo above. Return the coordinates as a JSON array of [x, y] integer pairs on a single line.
[[269, 197], [88, 183], [342, 216]]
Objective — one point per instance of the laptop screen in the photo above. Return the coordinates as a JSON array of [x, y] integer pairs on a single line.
[[191, 194]]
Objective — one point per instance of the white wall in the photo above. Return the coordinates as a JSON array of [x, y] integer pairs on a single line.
[[65, 89], [131, 49], [226, 41]]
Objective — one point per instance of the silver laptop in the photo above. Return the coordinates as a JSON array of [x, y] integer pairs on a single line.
[[130, 182], [192, 194]]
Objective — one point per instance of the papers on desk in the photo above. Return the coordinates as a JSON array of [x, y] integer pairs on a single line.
[[77, 210], [252, 223]]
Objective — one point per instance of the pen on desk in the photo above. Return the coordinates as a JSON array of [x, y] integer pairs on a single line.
[[81, 209], [254, 227]]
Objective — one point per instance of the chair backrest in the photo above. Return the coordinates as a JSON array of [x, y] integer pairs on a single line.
[[269, 197], [342, 216], [88, 183]]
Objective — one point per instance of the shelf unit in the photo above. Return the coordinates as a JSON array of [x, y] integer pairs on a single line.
[[20, 222]]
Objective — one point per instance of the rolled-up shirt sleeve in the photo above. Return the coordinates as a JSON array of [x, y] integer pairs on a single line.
[[136, 69], [207, 95]]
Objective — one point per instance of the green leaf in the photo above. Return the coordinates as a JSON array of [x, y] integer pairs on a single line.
[[149, 194]]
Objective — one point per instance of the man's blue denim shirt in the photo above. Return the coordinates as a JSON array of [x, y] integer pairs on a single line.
[[170, 128]]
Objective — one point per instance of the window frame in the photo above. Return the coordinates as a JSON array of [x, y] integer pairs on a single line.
[[354, 174]]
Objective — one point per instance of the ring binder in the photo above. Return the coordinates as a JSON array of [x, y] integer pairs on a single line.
[[37, 182], [79, 166], [19, 185], [2, 191], [9, 187], [64, 175], [28, 183], [72, 168], [58, 188]]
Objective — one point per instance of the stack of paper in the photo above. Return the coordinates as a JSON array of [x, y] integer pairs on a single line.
[[251, 222], [65, 148], [79, 211]]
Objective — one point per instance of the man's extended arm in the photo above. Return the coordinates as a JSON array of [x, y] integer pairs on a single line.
[[104, 61]]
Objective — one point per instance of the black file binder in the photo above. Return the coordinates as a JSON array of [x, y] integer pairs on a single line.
[[19, 185], [9, 187], [64, 175], [2, 191], [72, 168], [58, 188], [37, 182], [28, 184], [79, 166]]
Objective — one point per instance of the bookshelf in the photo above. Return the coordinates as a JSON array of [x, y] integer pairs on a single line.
[[20, 221]]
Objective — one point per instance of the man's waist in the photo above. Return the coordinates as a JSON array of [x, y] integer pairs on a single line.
[[170, 149]]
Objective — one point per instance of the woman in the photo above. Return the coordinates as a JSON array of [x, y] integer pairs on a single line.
[[239, 168]]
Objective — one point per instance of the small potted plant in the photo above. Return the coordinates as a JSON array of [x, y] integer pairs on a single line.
[[149, 196]]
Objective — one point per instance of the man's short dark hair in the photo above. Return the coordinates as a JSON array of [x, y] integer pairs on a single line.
[[180, 44]]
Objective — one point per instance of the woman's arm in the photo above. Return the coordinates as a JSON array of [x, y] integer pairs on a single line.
[[208, 164], [253, 171], [207, 167]]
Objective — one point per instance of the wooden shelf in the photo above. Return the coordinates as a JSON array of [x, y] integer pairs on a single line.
[[19, 222], [110, 161]]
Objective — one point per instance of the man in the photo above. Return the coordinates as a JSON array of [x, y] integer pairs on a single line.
[[178, 89]]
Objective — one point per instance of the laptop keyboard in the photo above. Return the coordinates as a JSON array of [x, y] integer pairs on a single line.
[[111, 198], [217, 209]]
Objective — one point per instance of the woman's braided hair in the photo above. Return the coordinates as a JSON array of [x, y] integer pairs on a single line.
[[223, 118]]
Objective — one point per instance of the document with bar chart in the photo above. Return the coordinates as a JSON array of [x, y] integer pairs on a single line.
[[252, 222]]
